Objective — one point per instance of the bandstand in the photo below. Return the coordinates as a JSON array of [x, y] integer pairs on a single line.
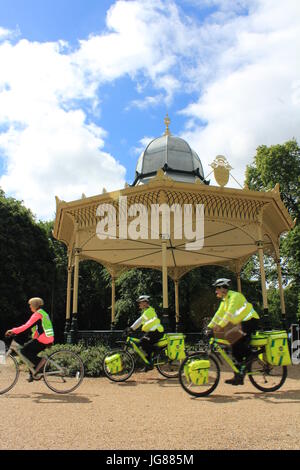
[[153, 223]]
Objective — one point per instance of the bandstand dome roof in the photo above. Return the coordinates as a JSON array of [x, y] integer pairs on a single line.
[[174, 156]]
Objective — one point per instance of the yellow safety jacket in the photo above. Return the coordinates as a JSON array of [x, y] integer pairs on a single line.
[[234, 308], [149, 321]]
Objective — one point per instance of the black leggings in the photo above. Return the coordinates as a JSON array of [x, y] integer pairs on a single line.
[[32, 348], [241, 349]]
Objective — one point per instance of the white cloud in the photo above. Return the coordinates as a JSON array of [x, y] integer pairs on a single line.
[[242, 62], [8, 33], [143, 144], [50, 149], [146, 36], [46, 137], [254, 97], [146, 102]]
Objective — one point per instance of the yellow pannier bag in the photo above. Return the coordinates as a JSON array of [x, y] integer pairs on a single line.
[[277, 349], [197, 371], [259, 339], [162, 342], [114, 364], [175, 349]]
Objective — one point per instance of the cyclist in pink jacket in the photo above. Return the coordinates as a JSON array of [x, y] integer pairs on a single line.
[[42, 334]]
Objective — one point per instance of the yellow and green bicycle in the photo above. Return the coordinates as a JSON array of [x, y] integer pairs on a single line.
[[199, 373], [120, 363]]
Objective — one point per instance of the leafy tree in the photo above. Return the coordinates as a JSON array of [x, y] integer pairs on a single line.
[[196, 295], [281, 164], [26, 261], [132, 284], [94, 296]]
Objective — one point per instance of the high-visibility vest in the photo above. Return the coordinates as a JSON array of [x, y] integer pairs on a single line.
[[46, 324], [234, 308], [150, 321]]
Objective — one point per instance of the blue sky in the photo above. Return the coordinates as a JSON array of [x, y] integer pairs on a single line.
[[85, 84]]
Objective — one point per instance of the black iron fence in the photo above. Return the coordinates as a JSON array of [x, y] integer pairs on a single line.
[[110, 337]]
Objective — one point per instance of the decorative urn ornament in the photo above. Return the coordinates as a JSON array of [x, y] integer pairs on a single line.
[[221, 169]]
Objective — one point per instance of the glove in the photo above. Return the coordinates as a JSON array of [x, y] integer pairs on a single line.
[[208, 332], [128, 331]]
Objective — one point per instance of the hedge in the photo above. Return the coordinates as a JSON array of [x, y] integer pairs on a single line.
[[92, 357]]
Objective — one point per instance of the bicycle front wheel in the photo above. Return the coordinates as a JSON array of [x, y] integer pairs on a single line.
[[266, 377], [167, 367], [9, 373], [200, 386], [127, 366], [63, 371]]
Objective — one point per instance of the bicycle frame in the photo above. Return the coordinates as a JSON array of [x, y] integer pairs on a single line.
[[133, 342], [16, 348], [216, 346], [70, 375]]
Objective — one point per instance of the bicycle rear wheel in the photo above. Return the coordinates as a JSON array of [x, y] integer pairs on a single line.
[[63, 371], [9, 373], [167, 367], [127, 369], [200, 389], [266, 377]]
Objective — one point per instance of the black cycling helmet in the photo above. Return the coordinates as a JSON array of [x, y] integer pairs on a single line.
[[143, 298], [222, 282]]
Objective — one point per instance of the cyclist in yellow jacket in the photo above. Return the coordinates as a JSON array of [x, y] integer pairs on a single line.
[[234, 308], [150, 324]]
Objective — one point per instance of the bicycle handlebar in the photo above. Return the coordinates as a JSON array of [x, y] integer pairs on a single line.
[[127, 332]]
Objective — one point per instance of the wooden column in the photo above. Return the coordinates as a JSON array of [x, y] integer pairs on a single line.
[[260, 250], [165, 275], [76, 282], [68, 302], [176, 282], [113, 300], [74, 327], [239, 284], [281, 292]]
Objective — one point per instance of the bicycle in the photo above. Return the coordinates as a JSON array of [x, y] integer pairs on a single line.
[[127, 356], [199, 373], [62, 372]]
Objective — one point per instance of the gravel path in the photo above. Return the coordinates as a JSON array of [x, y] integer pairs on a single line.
[[150, 412]]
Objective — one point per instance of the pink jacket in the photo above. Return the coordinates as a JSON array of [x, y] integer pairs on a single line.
[[35, 318]]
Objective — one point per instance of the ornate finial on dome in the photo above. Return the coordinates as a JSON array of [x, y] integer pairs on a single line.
[[167, 121]]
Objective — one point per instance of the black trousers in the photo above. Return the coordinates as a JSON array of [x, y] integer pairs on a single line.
[[149, 339], [241, 349], [32, 348]]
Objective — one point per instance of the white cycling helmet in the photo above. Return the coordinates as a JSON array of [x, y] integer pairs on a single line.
[[144, 298], [222, 282]]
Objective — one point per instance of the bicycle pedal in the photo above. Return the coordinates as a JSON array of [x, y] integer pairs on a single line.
[[148, 367], [37, 377]]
